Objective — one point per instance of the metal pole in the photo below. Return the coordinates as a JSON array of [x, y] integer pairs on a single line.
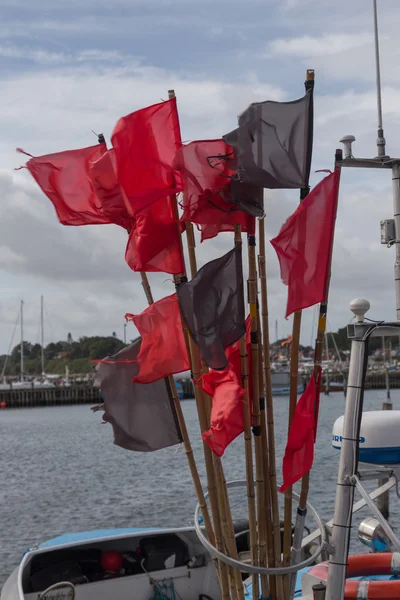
[[348, 463], [22, 340], [396, 213], [380, 142], [42, 332], [125, 334]]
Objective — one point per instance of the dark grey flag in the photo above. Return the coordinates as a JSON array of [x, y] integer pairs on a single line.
[[273, 143], [212, 304], [142, 416]]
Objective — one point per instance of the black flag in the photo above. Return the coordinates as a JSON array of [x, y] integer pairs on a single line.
[[142, 416], [212, 304], [273, 143]]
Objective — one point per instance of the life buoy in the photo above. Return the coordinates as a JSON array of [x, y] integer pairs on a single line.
[[362, 565]]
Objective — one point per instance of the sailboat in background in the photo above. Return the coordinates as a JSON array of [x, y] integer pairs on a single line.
[[23, 383]]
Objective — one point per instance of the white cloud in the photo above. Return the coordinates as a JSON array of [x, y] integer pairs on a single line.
[[327, 45], [72, 90]]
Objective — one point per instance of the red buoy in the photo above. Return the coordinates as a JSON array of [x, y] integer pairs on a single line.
[[3, 404], [111, 561]]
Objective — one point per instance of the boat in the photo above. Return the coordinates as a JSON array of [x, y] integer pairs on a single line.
[[43, 382], [333, 386], [281, 383], [119, 564]]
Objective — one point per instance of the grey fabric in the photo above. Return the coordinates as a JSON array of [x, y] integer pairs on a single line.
[[143, 416], [212, 304], [273, 143]]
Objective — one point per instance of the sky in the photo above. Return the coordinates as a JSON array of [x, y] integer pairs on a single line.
[[70, 67]]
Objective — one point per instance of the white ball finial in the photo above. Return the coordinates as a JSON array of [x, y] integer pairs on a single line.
[[359, 307]]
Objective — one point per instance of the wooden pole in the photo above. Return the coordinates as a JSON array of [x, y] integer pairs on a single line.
[[294, 374], [222, 519], [275, 554], [318, 353], [185, 436], [256, 412], [251, 501]]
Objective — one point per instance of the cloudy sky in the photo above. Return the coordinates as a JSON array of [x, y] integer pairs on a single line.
[[70, 67]]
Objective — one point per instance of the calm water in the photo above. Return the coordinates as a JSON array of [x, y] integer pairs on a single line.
[[60, 472]]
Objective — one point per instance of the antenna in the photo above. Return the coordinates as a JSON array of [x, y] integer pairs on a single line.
[[380, 142]]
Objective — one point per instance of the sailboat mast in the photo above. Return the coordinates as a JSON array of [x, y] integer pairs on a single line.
[[22, 340], [42, 333]]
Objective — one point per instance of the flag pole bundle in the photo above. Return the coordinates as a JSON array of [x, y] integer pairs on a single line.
[[203, 325]]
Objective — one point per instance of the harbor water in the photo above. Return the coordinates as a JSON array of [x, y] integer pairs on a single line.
[[60, 472]]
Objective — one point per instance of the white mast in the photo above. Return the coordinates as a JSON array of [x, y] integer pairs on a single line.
[[42, 332], [22, 340], [381, 142]]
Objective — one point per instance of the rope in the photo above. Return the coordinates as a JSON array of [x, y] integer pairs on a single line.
[[163, 590]]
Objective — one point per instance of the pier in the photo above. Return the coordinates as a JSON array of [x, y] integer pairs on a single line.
[[57, 396]]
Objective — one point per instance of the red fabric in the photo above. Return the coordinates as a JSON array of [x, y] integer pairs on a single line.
[[110, 195], [163, 350], [206, 179], [299, 453], [65, 178], [227, 409], [154, 243], [145, 144], [227, 393], [304, 245]]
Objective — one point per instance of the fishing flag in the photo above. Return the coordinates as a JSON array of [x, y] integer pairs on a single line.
[[273, 143], [145, 144], [228, 397], [143, 417], [227, 409], [212, 304], [110, 197], [299, 453], [66, 179], [163, 351], [154, 243], [304, 245], [207, 168]]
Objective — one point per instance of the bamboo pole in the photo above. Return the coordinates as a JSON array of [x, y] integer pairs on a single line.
[[226, 533], [265, 460], [185, 436], [256, 412], [270, 435], [294, 372], [251, 501], [288, 501], [318, 353]]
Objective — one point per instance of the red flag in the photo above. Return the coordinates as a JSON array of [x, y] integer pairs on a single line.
[[110, 195], [65, 178], [163, 350], [207, 167], [154, 243], [304, 245], [225, 389], [145, 144], [227, 409], [299, 453]]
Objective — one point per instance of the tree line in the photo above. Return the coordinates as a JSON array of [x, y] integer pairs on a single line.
[[78, 354], [58, 355]]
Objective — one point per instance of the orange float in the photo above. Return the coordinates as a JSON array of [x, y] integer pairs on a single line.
[[363, 565]]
